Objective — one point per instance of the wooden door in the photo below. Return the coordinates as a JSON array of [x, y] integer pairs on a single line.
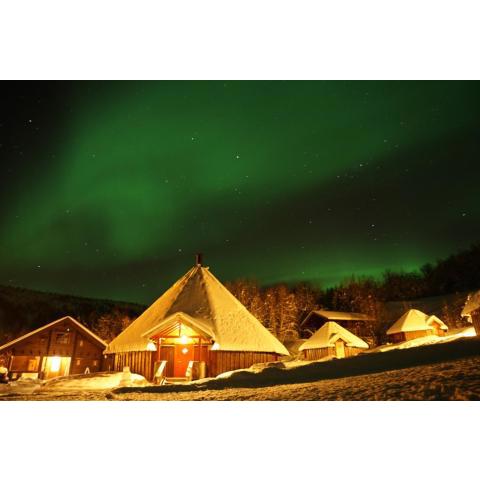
[[167, 352], [183, 355], [340, 349]]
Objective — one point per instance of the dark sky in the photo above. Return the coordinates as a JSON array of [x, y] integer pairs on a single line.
[[107, 189]]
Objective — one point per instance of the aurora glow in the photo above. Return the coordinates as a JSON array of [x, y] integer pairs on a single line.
[[108, 189]]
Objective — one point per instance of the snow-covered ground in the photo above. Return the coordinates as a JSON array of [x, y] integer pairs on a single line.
[[428, 340], [452, 380], [456, 380], [445, 368], [104, 381]]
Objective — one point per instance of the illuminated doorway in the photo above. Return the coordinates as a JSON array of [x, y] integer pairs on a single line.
[[339, 349], [56, 366]]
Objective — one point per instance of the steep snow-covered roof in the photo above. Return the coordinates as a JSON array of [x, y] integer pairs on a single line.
[[51, 324], [332, 315], [200, 301], [472, 304], [415, 320], [328, 334], [432, 319]]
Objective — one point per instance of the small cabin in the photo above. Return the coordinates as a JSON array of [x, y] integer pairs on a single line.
[[471, 310], [63, 347], [357, 323], [332, 340], [415, 324]]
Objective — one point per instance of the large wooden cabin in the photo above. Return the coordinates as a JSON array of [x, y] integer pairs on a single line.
[[196, 320], [357, 323], [415, 324], [332, 340], [63, 347]]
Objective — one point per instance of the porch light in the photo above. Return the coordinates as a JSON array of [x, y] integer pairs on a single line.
[[185, 350], [151, 347], [55, 364], [183, 339]]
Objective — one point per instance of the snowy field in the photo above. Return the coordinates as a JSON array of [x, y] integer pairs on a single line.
[[454, 380], [442, 371], [457, 380]]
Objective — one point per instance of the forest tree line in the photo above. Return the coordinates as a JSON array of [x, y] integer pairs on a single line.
[[282, 308]]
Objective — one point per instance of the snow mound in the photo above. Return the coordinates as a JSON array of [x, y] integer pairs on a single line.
[[97, 381], [276, 373], [20, 386]]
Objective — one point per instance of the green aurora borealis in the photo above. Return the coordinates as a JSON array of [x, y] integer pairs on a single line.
[[108, 189]]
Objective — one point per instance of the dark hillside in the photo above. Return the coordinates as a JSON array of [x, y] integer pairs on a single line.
[[22, 310]]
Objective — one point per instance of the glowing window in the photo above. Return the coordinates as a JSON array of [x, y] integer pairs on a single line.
[[62, 338], [55, 364]]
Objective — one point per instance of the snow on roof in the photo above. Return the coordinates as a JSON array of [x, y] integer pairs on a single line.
[[328, 334], [332, 315], [415, 320], [200, 301], [434, 319], [51, 324], [472, 304]]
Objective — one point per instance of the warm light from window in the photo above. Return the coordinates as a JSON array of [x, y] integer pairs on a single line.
[[183, 339], [55, 364]]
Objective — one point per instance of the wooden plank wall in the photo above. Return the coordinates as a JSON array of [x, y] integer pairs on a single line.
[[217, 361], [476, 321], [222, 361], [138, 362], [417, 334], [352, 351], [318, 353], [204, 353]]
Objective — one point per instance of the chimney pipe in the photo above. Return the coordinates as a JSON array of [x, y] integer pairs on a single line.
[[198, 259]]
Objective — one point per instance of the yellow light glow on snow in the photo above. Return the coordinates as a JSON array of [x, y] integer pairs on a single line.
[[470, 332], [55, 364]]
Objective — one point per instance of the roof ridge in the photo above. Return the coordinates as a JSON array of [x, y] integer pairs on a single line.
[[44, 327]]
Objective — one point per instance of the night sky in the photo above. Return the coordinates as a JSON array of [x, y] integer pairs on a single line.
[[107, 189]]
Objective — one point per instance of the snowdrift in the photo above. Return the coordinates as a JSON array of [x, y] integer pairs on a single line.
[[96, 381], [277, 373], [428, 340], [21, 387]]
